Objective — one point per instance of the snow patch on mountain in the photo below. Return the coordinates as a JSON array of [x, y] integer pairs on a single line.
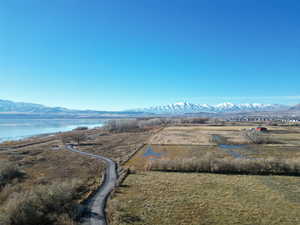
[[186, 107]]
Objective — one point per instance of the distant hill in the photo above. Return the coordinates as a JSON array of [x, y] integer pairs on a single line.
[[22, 107], [10, 109], [296, 107]]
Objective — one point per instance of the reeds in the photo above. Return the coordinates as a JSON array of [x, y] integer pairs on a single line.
[[209, 164]]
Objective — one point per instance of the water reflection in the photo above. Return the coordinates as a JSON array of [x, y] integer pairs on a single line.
[[151, 153], [15, 129]]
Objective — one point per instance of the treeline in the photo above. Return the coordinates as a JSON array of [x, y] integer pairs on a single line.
[[210, 164], [122, 125]]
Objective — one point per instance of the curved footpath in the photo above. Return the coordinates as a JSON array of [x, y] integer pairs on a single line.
[[97, 203]]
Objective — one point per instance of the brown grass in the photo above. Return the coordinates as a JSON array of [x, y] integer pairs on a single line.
[[211, 164], [152, 197], [49, 164], [200, 135], [205, 199], [44, 204]]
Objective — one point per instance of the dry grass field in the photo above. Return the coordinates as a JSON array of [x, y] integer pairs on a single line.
[[117, 146], [200, 135], [203, 199], [148, 198], [44, 162], [153, 197], [141, 160]]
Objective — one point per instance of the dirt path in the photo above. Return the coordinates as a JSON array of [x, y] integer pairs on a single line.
[[96, 205]]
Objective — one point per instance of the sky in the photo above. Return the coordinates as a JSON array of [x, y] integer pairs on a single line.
[[123, 54]]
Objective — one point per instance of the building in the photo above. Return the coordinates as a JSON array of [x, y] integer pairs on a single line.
[[262, 129]]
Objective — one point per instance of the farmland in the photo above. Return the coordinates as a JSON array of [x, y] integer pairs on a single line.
[[208, 198]]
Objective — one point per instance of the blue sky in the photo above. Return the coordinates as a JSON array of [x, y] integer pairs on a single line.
[[117, 54]]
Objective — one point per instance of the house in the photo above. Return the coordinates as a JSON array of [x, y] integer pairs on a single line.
[[262, 129]]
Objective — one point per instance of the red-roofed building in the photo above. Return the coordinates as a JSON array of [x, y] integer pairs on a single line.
[[262, 129]]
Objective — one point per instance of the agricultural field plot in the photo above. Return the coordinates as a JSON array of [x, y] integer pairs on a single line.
[[117, 146], [143, 158], [203, 199], [200, 135], [149, 153], [287, 144], [265, 151], [177, 198]]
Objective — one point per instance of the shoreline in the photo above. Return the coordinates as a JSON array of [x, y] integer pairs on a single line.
[[48, 134]]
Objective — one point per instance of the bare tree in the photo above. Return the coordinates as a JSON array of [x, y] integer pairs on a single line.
[[77, 137], [121, 125]]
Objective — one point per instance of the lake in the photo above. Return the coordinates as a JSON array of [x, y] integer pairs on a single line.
[[16, 129]]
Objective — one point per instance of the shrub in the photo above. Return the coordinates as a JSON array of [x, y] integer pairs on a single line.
[[218, 139], [8, 172], [229, 166], [46, 204], [257, 137]]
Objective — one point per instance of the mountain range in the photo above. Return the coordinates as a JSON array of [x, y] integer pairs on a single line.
[[186, 107], [177, 108], [15, 110], [22, 107]]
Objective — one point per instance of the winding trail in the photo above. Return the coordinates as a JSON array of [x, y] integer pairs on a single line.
[[96, 205]]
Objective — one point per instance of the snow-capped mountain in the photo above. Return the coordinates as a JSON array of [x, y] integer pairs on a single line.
[[186, 107], [177, 108]]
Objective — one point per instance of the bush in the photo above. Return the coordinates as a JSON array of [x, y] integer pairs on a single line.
[[257, 137], [46, 204], [8, 172], [210, 164], [218, 139]]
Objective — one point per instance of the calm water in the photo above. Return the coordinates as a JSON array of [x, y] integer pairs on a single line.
[[15, 129]]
